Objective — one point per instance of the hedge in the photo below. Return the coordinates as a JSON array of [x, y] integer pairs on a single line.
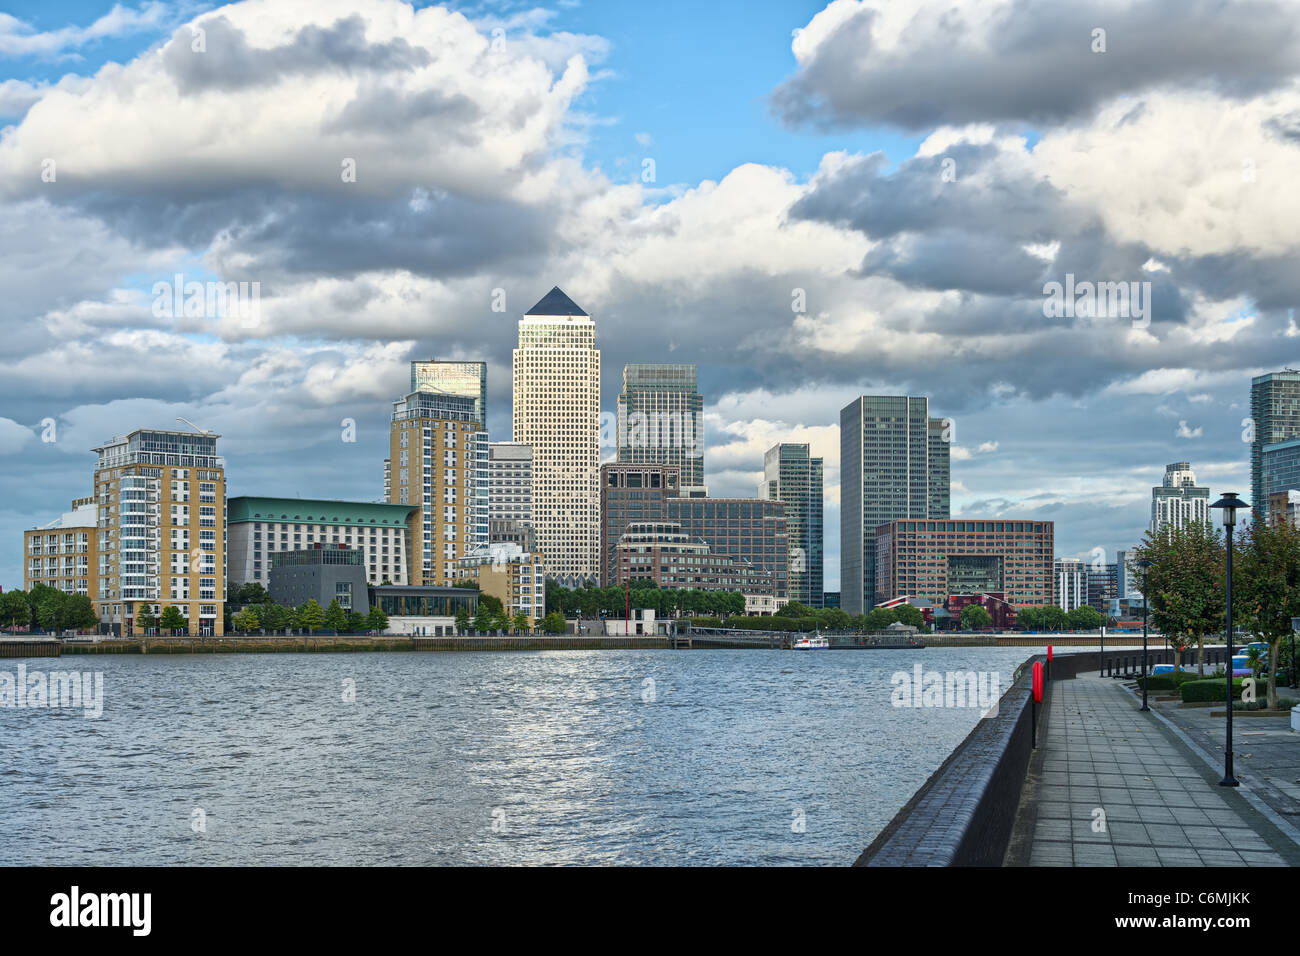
[[1167, 681], [1203, 691]]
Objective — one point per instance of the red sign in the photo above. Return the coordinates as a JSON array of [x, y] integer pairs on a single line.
[[1038, 682]]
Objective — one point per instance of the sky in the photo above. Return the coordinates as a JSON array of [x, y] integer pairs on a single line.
[[916, 174]]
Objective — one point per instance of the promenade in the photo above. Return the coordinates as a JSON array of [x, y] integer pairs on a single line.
[[1112, 786]]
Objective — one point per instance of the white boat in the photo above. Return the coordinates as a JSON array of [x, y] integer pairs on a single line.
[[814, 643]]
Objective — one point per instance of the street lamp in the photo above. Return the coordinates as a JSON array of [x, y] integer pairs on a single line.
[[1229, 504], [1144, 564]]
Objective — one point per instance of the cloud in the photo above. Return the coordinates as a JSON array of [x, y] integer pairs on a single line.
[[939, 62], [19, 38]]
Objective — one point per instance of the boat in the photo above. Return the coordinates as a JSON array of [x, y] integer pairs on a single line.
[[814, 643]]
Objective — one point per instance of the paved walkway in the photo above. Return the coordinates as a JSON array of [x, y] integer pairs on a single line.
[[1111, 786]]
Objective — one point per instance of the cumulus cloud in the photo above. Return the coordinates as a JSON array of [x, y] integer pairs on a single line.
[[938, 62]]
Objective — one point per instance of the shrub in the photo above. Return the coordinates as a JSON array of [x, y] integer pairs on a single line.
[[1211, 691]]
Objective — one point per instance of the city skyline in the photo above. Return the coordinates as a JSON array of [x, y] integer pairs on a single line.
[[1065, 419]]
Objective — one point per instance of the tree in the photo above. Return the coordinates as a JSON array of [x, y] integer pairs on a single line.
[[172, 619], [275, 617], [311, 616], [50, 611], [1267, 588], [79, 612], [486, 618], [520, 622], [1085, 618], [145, 619], [911, 616], [880, 618], [974, 617], [377, 620], [356, 622], [14, 610], [1186, 582], [247, 619], [462, 620], [336, 619]]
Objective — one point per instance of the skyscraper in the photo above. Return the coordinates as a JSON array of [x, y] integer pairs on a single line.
[[661, 419], [1179, 500], [510, 493], [466, 379], [438, 461], [161, 497], [1275, 411], [890, 468], [557, 412], [793, 476]]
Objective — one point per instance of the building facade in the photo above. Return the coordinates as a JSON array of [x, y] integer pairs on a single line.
[[463, 379], [423, 610], [510, 574], [1284, 506], [259, 527], [1280, 467], [1103, 587], [322, 572], [1275, 413], [630, 493], [792, 476], [556, 374], [748, 530], [439, 462], [894, 464], [1071, 584], [64, 554], [510, 481], [1178, 501], [662, 552], [161, 498], [661, 419], [935, 560]]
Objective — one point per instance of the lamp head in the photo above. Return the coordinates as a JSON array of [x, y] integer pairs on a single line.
[[1229, 504]]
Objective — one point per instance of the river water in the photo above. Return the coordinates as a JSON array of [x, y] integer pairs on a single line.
[[565, 757]]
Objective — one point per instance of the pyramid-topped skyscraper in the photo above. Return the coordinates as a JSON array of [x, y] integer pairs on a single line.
[[557, 412]]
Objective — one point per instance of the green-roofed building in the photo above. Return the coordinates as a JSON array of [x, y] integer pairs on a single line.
[[258, 527]]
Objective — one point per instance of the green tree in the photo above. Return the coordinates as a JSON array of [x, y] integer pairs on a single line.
[[172, 619], [912, 616], [1266, 587], [145, 618], [356, 622], [50, 609], [520, 622], [80, 612], [275, 617], [311, 616], [1185, 583], [485, 619], [462, 620], [879, 618], [376, 619], [1085, 618], [247, 619], [554, 623], [14, 610], [974, 617], [336, 619]]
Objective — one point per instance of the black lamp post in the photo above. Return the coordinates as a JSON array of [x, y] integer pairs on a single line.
[[1229, 504], [1144, 564]]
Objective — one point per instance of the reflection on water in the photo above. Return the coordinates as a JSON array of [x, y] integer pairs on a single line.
[[620, 757]]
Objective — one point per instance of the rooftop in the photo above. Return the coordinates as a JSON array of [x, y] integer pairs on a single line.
[[555, 302]]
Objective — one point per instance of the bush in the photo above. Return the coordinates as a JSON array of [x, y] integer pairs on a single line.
[[1212, 691], [1283, 703]]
